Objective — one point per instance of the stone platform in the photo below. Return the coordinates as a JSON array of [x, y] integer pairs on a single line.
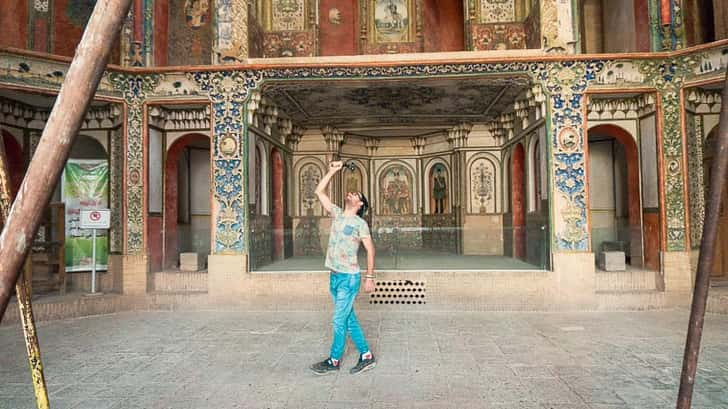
[[238, 359]]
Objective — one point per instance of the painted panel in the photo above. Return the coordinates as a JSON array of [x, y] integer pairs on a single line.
[[497, 11], [396, 196], [391, 21], [288, 15], [69, 20], [190, 32], [288, 44], [482, 186], [648, 149], [338, 22], [155, 163], [498, 36], [309, 177]]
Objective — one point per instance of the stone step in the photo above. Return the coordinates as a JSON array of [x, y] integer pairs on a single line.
[[635, 300], [630, 280]]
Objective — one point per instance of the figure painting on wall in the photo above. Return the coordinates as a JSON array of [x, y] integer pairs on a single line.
[[391, 21], [310, 177], [439, 188], [196, 13], [395, 190], [353, 181]]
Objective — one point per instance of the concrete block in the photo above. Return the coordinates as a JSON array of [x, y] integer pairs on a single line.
[[612, 261], [190, 262]]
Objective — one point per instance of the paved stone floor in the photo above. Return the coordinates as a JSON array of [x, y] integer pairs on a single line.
[[236, 359]]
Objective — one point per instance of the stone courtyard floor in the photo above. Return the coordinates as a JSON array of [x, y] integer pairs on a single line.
[[237, 359]]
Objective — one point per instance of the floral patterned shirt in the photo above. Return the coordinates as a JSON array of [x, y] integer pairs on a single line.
[[344, 241]]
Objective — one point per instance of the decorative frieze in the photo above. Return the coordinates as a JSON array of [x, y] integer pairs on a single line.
[[620, 108], [27, 116], [180, 119], [703, 101]]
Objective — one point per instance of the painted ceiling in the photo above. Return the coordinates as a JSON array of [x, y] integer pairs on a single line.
[[362, 104]]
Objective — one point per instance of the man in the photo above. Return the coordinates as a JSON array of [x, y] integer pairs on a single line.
[[348, 231]]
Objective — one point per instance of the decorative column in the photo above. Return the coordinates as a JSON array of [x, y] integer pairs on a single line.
[[457, 138], [564, 84], [231, 36], [229, 93], [134, 267]]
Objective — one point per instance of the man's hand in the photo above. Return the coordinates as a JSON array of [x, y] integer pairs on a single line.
[[335, 166], [368, 285]]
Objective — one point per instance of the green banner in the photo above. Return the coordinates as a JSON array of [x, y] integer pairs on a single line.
[[85, 186]]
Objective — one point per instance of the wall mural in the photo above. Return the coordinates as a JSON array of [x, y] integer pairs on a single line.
[[482, 186], [288, 15], [563, 80], [190, 32], [289, 44], [391, 21], [309, 177], [353, 181], [395, 191], [439, 194]]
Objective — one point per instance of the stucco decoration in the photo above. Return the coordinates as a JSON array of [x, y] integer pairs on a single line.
[[116, 162], [565, 83], [715, 60], [288, 15], [497, 11], [694, 128], [668, 76], [135, 89], [620, 73], [482, 186], [229, 92]]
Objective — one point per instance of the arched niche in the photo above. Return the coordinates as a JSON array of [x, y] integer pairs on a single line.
[[438, 178], [354, 180], [482, 184], [309, 172], [396, 191]]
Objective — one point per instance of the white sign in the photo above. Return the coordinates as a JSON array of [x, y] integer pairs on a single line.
[[96, 219]]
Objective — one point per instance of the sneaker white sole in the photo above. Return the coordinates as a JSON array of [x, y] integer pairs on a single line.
[[365, 368]]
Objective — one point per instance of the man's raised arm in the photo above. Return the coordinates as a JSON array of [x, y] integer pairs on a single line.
[[324, 183]]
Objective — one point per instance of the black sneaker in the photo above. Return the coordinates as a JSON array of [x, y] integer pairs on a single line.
[[324, 367], [363, 365]]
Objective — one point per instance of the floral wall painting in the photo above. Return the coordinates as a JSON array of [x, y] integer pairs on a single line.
[[439, 189], [309, 177], [482, 186], [288, 15], [391, 21], [395, 191]]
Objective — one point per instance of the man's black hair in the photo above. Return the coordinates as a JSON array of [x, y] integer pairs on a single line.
[[364, 205]]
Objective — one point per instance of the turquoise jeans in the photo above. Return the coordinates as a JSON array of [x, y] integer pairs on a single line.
[[344, 288]]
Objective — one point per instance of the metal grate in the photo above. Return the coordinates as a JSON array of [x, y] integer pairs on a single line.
[[398, 292]]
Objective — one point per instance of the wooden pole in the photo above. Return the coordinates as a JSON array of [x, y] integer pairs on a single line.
[[719, 172], [63, 124], [22, 291]]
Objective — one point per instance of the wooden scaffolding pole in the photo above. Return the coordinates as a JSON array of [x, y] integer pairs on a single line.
[[60, 131], [719, 172], [22, 291]]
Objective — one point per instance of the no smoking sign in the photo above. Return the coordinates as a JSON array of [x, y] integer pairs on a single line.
[[96, 219]]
